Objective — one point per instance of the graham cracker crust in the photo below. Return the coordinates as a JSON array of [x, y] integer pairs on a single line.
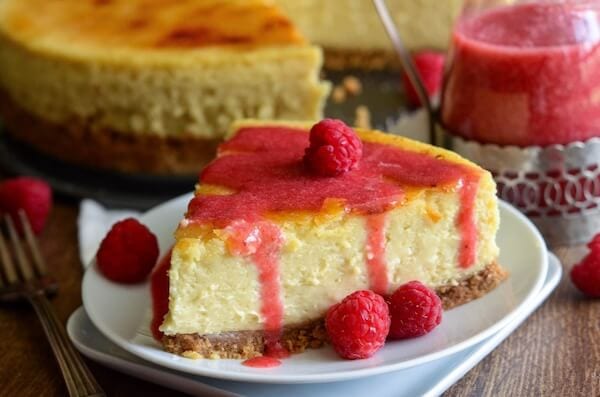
[[248, 344], [244, 344], [77, 142], [472, 287]]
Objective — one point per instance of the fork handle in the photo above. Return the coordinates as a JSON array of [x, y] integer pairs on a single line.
[[80, 382]]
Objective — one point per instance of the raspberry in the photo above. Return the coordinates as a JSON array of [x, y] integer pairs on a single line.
[[32, 195], [358, 326], [594, 245], [128, 252], [334, 148], [415, 310], [586, 275], [430, 66]]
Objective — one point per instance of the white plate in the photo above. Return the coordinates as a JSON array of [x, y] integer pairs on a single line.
[[120, 311], [427, 380]]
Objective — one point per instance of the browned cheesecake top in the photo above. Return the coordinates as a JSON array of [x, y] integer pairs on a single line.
[[149, 24]]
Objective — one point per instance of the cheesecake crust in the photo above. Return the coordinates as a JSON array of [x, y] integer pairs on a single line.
[[248, 344], [472, 287], [244, 344], [80, 143]]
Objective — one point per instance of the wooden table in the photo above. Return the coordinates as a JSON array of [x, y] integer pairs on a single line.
[[556, 352]]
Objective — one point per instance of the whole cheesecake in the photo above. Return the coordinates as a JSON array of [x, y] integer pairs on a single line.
[[266, 247], [149, 85]]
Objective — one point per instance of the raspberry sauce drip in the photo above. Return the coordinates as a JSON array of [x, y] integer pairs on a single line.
[[375, 253], [159, 287], [261, 242], [263, 166], [466, 221], [262, 362]]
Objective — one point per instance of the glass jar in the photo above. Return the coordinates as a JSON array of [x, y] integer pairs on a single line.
[[524, 72]]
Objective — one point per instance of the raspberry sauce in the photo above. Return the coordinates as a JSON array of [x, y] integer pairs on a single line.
[[159, 287], [466, 221], [262, 362], [375, 253], [266, 172], [261, 242]]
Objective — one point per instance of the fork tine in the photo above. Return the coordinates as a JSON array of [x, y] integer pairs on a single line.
[[38, 260], [22, 262], [6, 262]]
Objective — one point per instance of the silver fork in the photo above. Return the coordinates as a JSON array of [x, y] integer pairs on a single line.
[[32, 282]]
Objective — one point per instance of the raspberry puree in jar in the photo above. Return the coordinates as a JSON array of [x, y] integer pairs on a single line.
[[526, 74]]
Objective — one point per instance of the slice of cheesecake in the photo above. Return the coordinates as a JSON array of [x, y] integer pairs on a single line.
[[149, 85], [266, 247]]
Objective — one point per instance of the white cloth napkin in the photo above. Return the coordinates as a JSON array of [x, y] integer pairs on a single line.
[[93, 223], [95, 220]]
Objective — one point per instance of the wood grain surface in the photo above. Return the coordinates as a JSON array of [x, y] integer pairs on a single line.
[[556, 352]]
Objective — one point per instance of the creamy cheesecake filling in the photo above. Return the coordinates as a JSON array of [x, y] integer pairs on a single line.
[[403, 215]]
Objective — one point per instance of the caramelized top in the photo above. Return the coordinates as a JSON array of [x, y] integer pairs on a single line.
[[149, 24]]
